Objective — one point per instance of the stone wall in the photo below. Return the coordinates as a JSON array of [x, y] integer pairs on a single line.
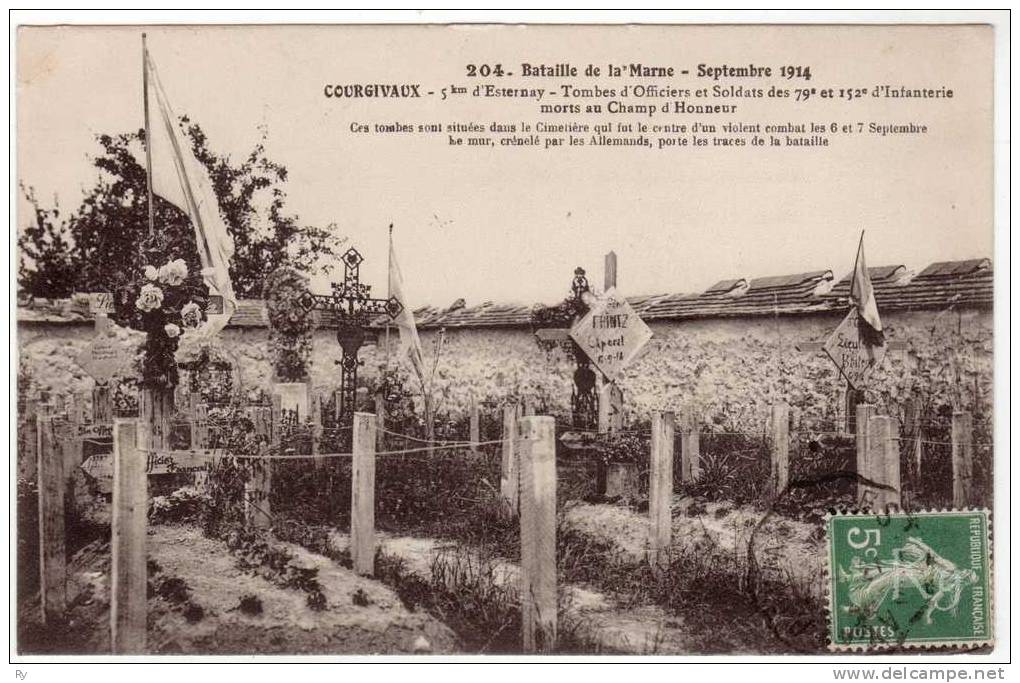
[[732, 368]]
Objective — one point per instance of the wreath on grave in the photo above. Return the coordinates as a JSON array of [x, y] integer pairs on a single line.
[[163, 303], [290, 325], [211, 369]]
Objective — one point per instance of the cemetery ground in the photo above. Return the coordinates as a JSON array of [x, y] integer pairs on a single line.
[[231, 573], [446, 569]]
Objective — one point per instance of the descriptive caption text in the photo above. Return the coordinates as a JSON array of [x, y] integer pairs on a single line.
[[646, 106]]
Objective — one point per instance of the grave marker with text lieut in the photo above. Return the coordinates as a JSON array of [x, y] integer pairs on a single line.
[[855, 358]]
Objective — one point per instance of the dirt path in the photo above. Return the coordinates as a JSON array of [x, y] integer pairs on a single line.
[[782, 545], [362, 616], [643, 630]]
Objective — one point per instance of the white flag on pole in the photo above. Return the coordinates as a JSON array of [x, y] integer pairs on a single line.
[[180, 178], [410, 344], [863, 296]]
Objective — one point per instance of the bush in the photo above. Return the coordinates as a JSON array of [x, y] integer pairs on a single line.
[[183, 506], [734, 467]]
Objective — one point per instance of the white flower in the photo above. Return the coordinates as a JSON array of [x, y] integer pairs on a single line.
[[150, 298], [191, 314], [171, 330], [151, 273], [173, 272]]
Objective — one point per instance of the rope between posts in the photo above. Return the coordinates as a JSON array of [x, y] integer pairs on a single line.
[[419, 440], [307, 456], [620, 432]]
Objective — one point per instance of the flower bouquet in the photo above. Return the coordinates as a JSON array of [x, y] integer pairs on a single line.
[[169, 300]]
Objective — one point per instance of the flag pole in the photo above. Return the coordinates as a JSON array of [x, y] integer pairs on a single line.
[[148, 137], [857, 256], [389, 293]]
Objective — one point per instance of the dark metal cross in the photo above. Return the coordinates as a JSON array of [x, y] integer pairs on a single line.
[[351, 305], [584, 400]]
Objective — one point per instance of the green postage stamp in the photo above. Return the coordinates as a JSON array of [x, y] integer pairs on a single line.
[[918, 579]]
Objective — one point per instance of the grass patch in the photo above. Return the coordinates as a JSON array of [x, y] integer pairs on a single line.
[[727, 603], [465, 590]]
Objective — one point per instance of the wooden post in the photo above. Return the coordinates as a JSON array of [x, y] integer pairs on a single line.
[[919, 438], [864, 411], [610, 480], [474, 427], [28, 444], [510, 472], [660, 490], [200, 427], [155, 408], [276, 409], [70, 450], [380, 421], [884, 461], [893, 475], [128, 572], [102, 403], [76, 408], [262, 418], [780, 448], [363, 494], [52, 560], [963, 459], [610, 274], [617, 479], [529, 406], [911, 424], [186, 408], [315, 412], [538, 533], [258, 487], [610, 408], [70, 446], [852, 398], [690, 446]]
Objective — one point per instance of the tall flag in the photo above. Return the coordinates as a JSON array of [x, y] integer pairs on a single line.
[[410, 345], [862, 295], [180, 178]]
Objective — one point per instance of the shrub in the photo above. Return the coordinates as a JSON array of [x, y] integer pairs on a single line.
[[250, 604]]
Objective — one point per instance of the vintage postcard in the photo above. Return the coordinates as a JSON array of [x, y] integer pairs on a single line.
[[491, 339]]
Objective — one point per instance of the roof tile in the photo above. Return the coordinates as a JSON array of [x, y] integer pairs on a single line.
[[968, 283]]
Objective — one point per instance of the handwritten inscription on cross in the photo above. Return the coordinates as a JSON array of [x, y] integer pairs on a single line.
[[853, 394], [351, 304]]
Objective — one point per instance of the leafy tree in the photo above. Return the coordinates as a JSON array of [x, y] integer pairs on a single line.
[[106, 242], [46, 265]]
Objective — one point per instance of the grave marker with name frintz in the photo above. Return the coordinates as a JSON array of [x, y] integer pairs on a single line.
[[611, 333]]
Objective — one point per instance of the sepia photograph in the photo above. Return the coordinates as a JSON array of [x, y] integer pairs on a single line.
[[489, 341]]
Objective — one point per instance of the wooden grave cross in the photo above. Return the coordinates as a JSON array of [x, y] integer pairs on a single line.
[[854, 393], [104, 358]]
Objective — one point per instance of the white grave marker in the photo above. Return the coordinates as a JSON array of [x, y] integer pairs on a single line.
[[611, 333], [850, 353]]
